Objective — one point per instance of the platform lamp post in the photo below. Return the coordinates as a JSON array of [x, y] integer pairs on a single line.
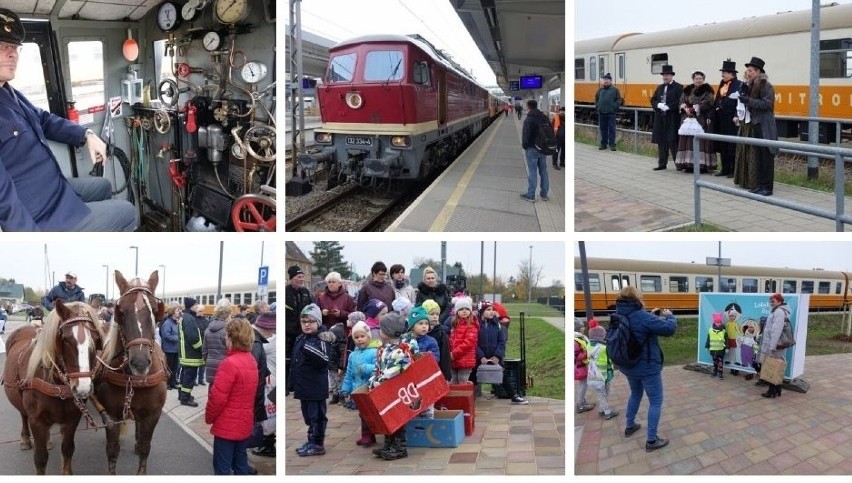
[[164, 281], [136, 272], [106, 288]]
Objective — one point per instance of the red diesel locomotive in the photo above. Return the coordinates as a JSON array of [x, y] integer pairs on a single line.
[[394, 107]]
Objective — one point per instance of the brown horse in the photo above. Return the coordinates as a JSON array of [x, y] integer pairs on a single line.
[[48, 377], [133, 383]]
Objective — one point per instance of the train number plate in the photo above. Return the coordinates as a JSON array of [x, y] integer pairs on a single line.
[[359, 141]]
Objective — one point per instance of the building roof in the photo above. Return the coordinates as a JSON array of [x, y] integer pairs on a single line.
[[12, 290], [295, 253]]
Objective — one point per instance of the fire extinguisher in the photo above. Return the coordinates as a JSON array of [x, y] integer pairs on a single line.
[[73, 114]]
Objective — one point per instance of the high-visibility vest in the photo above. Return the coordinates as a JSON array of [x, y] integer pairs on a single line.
[[717, 339]]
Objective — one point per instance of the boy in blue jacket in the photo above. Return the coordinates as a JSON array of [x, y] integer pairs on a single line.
[[309, 379], [362, 363]]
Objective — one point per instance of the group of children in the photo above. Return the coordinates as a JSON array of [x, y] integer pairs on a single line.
[[384, 343], [728, 336], [592, 368]]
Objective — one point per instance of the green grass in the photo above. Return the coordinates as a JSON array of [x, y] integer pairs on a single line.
[[545, 349], [824, 337]]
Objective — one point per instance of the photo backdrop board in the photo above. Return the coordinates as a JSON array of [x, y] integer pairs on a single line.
[[752, 308]]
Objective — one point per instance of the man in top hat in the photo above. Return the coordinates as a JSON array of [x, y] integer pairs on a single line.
[[67, 291], [34, 194], [723, 114], [666, 117], [296, 298], [758, 96], [607, 101]]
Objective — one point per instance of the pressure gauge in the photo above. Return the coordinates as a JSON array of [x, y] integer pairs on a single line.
[[231, 11], [211, 41], [237, 151], [253, 72], [168, 18], [189, 12]]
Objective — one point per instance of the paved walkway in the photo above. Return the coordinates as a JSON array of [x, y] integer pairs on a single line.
[[480, 191], [724, 427], [558, 322], [619, 191], [508, 440]]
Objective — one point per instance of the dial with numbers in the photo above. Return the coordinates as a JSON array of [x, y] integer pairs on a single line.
[[168, 17], [211, 41], [231, 11], [253, 72]]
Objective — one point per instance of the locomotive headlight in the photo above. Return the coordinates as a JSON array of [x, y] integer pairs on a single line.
[[401, 141], [322, 137], [354, 100]]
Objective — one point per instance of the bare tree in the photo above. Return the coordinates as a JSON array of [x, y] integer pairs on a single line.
[[528, 275]]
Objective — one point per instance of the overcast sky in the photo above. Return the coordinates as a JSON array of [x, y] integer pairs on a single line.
[[191, 262], [549, 255], [602, 18], [835, 256], [435, 20]]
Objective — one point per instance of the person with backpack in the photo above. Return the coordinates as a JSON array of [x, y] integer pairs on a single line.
[[770, 335], [600, 371], [581, 366], [539, 142], [644, 374]]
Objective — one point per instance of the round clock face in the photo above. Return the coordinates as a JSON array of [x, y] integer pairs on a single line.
[[167, 17], [253, 72], [211, 41], [231, 11]]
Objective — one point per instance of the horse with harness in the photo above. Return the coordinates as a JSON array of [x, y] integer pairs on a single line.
[[49, 375]]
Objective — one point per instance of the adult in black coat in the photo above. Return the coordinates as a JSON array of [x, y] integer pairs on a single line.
[[431, 288], [723, 114], [666, 117], [296, 298]]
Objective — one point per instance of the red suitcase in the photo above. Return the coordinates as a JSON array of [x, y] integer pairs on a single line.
[[461, 397]]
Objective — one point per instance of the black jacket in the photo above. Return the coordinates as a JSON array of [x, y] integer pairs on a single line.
[[445, 363], [531, 124], [190, 341], [262, 373], [439, 294], [294, 301], [309, 368]]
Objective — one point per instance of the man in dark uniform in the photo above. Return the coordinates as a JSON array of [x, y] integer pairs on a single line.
[[67, 291], [666, 117], [296, 297], [190, 352], [34, 194]]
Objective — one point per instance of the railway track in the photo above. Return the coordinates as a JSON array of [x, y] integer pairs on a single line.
[[354, 209]]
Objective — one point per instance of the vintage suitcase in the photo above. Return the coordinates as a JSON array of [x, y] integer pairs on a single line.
[[461, 397], [445, 430], [489, 374], [389, 406]]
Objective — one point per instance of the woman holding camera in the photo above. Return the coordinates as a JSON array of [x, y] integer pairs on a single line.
[[758, 98]]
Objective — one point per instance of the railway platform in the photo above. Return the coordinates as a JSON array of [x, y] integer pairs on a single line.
[[724, 427], [481, 190], [619, 191]]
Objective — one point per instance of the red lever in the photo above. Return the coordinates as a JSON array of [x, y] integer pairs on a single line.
[[178, 178], [190, 120]]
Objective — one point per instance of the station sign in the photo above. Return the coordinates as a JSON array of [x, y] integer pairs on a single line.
[[263, 281], [514, 85]]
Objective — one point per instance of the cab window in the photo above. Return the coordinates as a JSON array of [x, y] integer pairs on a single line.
[[29, 78], [383, 65], [87, 84], [341, 68]]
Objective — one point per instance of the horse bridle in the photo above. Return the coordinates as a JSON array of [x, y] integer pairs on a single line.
[[141, 300], [89, 325]]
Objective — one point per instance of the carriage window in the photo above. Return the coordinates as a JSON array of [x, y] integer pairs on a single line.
[[789, 286], [617, 282], [807, 286], [678, 284], [270, 298], [620, 73], [835, 58], [247, 298], [383, 65], [728, 285], [770, 286], [593, 75], [651, 283], [594, 282], [704, 284], [579, 69], [29, 78], [238, 299], [824, 287], [750, 285], [837, 290], [657, 62], [341, 68], [87, 85], [421, 73]]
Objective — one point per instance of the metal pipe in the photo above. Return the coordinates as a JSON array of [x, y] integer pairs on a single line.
[[696, 176]]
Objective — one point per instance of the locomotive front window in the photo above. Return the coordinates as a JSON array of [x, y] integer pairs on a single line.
[[383, 65], [341, 68]]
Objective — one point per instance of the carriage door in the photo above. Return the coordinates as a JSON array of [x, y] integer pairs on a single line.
[[617, 281], [769, 285], [603, 66], [619, 73], [442, 97]]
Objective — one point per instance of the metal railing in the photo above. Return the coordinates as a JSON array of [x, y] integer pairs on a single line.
[[840, 156]]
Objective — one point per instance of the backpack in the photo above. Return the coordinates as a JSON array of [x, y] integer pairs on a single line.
[[581, 359], [622, 347], [545, 139]]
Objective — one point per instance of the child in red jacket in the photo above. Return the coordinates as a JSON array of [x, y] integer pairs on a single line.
[[464, 337], [230, 405]]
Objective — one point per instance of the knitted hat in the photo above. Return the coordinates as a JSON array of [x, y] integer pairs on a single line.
[[293, 271], [355, 317], [373, 307], [463, 303], [597, 333], [313, 311], [266, 320], [361, 326], [416, 315], [401, 305], [431, 306], [717, 319], [607, 76], [392, 325], [578, 324], [189, 302]]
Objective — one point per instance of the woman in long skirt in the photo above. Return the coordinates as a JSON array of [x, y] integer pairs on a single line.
[[696, 102], [745, 167]]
